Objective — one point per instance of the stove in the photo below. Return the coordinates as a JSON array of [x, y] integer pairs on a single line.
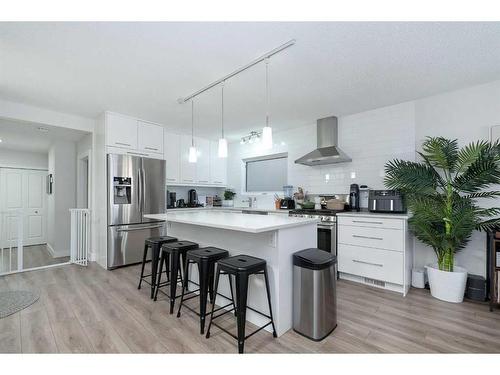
[[327, 226], [324, 216]]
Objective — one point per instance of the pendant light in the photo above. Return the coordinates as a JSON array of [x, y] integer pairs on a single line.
[[193, 157], [222, 152], [267, 131]]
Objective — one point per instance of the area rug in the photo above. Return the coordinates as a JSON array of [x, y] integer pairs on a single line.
[[13, 301]]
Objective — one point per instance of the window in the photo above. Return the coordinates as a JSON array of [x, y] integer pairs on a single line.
[[266, 174]]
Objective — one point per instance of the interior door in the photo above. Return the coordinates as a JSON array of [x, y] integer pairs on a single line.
[[22, 193], [35, 208]]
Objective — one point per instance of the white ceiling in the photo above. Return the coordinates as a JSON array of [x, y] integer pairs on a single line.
[[26, 136], [337, 68]]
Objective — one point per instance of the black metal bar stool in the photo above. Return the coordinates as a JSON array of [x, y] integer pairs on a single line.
[[155, 243], [176, 251], [241, 267], [205, 258]]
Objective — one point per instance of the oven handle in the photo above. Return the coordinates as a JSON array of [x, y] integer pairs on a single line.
[[325, 226]]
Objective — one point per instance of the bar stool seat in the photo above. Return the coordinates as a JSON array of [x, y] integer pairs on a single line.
[[243, 263], [176, 252], [205, 258], [155, 243], [241, 267]]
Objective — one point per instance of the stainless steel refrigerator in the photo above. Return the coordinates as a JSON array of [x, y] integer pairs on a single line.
[[136, 186]]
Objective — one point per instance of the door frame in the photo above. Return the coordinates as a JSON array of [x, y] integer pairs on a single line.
[[84, 157]]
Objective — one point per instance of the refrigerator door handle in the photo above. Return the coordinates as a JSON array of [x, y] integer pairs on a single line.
[[143, 190], [141, 228]]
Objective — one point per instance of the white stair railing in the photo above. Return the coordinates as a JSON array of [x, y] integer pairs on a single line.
[[11, 240], [80, 235]]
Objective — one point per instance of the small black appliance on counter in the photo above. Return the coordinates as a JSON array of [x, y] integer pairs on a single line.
[[386, 201], [287, 204], [354, 197], [171, 199], [193, 198]]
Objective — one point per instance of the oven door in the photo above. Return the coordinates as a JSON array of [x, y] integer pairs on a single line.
[[327, 237]]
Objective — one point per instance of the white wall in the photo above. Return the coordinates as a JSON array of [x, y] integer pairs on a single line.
[[62, 164], [369, 138], [23, 159]]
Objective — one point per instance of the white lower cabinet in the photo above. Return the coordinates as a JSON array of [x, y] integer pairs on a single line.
[[375, 250]]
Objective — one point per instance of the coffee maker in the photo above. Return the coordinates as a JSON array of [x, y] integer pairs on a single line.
[[192, 198], [171, 199], [354, 197]]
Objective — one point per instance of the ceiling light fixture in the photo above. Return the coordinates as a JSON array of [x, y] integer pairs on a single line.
[[267, 131], [267, 135], [193, 157], [222, 141]]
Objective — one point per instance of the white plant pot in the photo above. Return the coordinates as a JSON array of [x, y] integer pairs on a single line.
[[227, 203], [447, 286]]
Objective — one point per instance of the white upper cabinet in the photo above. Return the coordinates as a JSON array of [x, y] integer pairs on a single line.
[[203, 162], [218, 166], [172, 157], [187, 169], [150, 137], [121, 131]]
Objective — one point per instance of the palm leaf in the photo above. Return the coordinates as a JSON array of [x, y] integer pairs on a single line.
[[409, 176], [441, 152]]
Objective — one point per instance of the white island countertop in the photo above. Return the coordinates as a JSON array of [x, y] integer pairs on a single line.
[[250, 223]]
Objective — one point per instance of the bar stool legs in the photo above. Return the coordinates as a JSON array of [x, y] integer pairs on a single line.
[[240, 306], [145, 255]]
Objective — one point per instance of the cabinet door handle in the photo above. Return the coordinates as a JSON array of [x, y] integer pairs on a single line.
[[136, 153], [368, 237], [123, 144], [367, 222], [369, 263], [151, 148]]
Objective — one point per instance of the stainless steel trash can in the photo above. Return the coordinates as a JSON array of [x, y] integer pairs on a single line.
[[314, 293]]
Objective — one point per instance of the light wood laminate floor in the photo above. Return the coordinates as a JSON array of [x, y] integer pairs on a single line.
[[87, 310], [33, 256]]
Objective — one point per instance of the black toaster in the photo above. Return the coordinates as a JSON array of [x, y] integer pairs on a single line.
[[386, 201]]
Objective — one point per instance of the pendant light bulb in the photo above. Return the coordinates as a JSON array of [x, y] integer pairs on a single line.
[[222, 151], [193, 154], [267, 131]]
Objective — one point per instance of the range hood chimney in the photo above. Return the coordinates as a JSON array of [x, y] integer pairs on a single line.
[[327, 151]]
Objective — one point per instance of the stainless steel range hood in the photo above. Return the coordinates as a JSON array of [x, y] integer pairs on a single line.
[[327, 151]]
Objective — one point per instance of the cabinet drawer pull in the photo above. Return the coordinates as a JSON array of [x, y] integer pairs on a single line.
[[151, 148], [204, 181], [367, 222], [217, 182], [185, 180], [367, 237], [123, 144], [369, 263], [171, 179], [136, 153]]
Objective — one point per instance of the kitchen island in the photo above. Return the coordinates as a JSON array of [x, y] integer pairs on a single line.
[[271, 237]]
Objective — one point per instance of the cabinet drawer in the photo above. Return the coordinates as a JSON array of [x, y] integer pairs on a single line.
[[373, 263], [388, 239], [372, 222]]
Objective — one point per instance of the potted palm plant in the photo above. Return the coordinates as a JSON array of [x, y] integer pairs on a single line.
[[443, 192]]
